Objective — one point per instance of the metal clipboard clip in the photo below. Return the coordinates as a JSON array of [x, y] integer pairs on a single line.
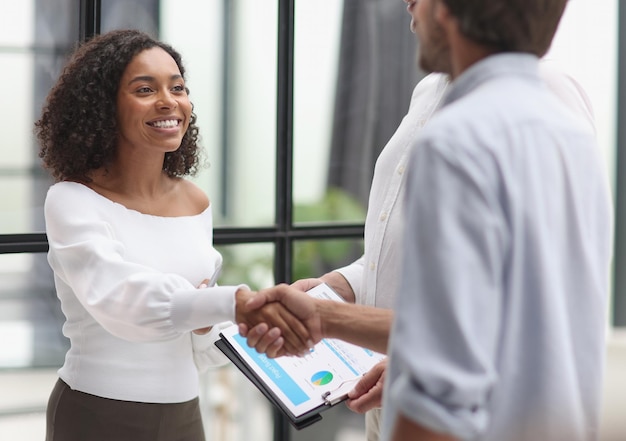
[[334, 396]]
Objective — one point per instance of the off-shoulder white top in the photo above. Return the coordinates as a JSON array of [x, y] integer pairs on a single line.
[[128, 282]]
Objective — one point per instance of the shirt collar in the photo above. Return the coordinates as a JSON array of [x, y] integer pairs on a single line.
[[493, 66]]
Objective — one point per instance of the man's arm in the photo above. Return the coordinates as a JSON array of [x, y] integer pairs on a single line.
[[405, 429], [338, 282], [362, 325]]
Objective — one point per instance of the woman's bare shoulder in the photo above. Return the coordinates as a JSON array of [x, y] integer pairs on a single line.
[[197, 198]]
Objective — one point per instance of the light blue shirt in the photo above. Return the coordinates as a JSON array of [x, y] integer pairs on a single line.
[[501, 314]]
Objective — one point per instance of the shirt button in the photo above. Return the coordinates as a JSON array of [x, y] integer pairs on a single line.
[[383, 216], [372, 266], [401, 169]]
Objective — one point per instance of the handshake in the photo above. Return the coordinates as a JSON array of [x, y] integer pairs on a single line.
[[285, 320], [281, 320]]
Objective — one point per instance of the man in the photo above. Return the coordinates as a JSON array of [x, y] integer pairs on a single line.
[[500, 318], [373, 279], [376, 285]]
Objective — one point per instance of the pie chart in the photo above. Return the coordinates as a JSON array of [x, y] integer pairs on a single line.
[[321, 378]]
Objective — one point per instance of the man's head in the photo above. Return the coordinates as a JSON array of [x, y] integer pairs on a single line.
[[496, 25], [509, 25]]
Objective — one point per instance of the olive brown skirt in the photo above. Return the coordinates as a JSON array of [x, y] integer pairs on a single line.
[[77, 416]]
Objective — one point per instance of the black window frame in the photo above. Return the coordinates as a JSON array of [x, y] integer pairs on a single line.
[[619, 259]]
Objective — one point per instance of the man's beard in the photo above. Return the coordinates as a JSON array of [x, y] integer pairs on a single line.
[[434, 51]]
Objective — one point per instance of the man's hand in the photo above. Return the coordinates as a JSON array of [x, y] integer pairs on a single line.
[[368, 392], [279, 311], [333, 279], [306, 284], [269, 341]]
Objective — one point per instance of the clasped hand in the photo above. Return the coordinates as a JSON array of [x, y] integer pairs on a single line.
[[280, 320]]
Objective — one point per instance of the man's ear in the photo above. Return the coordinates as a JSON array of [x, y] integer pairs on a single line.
[[444, 18], [442, 12]]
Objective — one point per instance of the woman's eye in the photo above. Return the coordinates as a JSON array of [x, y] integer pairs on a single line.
[[178, 88], [144, 90]]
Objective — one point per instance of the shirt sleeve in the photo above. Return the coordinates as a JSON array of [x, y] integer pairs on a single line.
[[353, 273], [131, 301], [445, 336]]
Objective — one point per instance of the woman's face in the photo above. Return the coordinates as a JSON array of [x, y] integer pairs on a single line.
[[153, 108]]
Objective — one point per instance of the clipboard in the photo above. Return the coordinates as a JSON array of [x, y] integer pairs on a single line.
[[287, 381], [298, 422]]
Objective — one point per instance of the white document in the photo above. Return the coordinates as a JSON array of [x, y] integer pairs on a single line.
[[323, 377]]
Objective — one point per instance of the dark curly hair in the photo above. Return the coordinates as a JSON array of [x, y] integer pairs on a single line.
[[78, 130]]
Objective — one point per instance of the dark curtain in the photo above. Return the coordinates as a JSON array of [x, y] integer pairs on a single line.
[[377, 73]]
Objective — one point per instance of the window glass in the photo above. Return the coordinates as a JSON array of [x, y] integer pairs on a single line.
[[35, 37], [16, 120], [13, 216], [18, 160], [313, 258], [30, 314], [252, 264], [16, 25], [353, 76], [230, 52], [233, 409], [23, 402], [122, 14], [238, 411], [316, 57], [338, 423]]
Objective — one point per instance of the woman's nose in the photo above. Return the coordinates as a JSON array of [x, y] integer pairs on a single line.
[[166, 101]]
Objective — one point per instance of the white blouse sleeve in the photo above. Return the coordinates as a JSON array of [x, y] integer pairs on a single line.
[[205, 353], [130, 300]]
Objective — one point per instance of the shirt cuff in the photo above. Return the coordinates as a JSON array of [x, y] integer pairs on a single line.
[[353, 273], [411, 402], [200, 308]]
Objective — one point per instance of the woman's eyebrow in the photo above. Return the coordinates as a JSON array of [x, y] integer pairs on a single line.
[[149, 78]]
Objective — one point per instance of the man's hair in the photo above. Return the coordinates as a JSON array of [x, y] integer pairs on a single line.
[[509, 25]]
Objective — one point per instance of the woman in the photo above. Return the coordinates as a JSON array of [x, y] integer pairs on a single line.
[[130, 245]]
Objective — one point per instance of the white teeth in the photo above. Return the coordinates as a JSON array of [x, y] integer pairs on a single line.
[[165, 124]]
